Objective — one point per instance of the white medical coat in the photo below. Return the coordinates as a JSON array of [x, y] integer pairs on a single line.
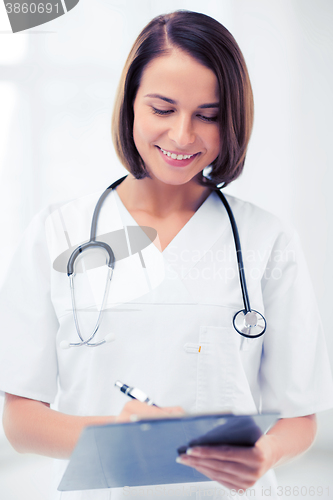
[[171, 316]]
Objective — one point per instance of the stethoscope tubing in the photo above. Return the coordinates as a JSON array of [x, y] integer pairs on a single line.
[[239, 255], [99, 204], [92, 243]]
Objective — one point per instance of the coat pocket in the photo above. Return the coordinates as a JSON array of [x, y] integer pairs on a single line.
[[222, 384]]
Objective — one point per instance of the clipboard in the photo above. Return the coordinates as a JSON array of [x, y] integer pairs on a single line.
[[144, 452]]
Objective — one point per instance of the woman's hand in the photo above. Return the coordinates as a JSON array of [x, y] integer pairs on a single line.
[[238, 467], [135, 410], [235, 467]]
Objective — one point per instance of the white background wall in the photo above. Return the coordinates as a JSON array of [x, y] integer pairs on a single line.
[[57, 84]]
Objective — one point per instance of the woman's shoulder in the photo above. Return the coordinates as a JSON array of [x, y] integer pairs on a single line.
[[61, 220], [85, 202], [253, 219], [73, 212], [65, 207]]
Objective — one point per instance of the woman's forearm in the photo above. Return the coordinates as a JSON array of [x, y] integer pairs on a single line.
[[291, 437], [32, 427]]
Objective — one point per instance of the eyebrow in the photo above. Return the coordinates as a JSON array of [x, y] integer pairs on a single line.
[[171, 101]]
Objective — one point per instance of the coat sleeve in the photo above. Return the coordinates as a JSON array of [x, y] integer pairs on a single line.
[[28, 323], [295, 373]]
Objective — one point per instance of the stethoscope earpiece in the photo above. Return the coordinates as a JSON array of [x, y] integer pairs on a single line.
[[110, 337]]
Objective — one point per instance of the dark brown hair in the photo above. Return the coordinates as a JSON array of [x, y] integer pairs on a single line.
[[212, 45]]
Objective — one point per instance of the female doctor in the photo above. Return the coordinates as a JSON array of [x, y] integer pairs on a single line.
[[184, 104]]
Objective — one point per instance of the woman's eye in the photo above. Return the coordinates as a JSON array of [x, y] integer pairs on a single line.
[[164, 112], [161, 111], [208, 118]]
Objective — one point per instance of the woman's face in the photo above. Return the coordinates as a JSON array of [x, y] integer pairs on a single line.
[[175, 118]]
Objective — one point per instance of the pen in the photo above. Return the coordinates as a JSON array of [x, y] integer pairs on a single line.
[[134, 393]]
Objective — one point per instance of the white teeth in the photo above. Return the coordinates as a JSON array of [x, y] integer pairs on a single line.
[[174, 156]]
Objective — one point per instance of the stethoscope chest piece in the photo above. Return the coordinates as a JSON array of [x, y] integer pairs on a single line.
[[250, 324]]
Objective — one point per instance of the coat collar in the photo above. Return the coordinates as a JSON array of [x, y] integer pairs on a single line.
[[196, 237]]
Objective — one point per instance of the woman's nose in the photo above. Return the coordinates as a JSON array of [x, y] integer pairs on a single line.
[[182, 132]]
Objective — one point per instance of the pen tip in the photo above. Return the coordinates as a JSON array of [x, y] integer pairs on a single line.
[[118, 383]]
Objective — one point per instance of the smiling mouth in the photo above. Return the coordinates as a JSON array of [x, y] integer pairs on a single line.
[[174, 156]]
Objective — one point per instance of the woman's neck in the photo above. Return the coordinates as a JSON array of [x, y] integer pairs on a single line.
[[159, 199]]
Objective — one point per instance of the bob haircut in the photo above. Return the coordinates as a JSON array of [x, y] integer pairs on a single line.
[[210, 43]]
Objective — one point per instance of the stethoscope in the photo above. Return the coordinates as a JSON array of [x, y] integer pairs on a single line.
[[247, 322]]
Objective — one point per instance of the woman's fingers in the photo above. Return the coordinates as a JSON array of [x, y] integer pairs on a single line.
[[229, 474], [135, 410], [174, 410], [234, 468], [216, 467], [240, 454], [238, 466], [228, 480]]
